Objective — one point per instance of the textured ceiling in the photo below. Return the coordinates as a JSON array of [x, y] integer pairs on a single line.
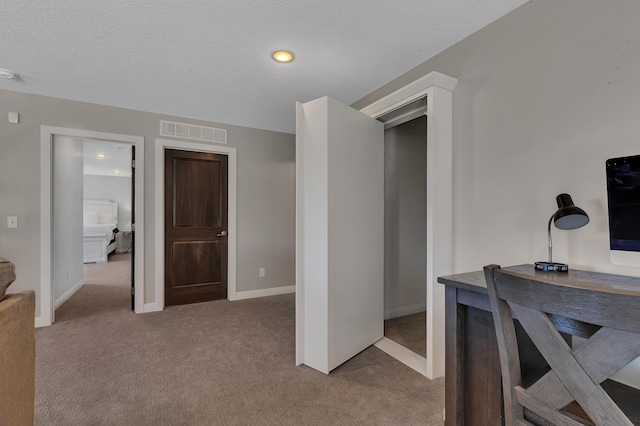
[[210, 59]]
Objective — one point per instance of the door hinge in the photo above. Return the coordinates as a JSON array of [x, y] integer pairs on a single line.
[[133, 164], [133, 291]]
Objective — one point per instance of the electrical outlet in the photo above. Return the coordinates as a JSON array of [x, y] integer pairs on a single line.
[[261, 272], [12, 221]]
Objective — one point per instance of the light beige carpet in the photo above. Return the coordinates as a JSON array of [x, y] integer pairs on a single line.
[[214, 363], [117, 271], [409, 331]]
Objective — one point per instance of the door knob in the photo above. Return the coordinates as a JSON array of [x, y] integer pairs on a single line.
[[222, 234]]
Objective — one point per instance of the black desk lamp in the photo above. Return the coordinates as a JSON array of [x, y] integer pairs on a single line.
[[568, 216]]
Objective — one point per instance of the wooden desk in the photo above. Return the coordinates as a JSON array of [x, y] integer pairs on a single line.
[[473, 385]]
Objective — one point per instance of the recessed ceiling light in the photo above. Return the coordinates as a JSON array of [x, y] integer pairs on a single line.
[[282, 56], [116, 172], [4, 73], [100, 155]]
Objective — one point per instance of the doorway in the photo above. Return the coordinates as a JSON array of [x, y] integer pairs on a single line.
[[47, 134], [109, 184], [195, 226], [437, 89], [405, 290]]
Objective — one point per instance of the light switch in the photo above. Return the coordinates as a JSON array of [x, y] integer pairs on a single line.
[[14, 117], [12, 221]]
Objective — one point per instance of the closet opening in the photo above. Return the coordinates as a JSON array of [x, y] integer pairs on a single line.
[[405, 230]]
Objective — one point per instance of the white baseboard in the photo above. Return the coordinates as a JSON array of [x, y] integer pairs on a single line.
[[60, 300], [405, 310], [40, 322], [252, 294], [150, 307], [402, 354]]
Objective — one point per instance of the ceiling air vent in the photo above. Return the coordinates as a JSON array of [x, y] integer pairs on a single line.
[[191, 131]]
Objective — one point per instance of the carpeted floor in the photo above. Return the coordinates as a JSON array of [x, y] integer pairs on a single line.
[[214, 363], [410, 331], [117, 271]]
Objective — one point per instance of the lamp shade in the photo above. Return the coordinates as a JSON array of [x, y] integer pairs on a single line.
[[568, 215]]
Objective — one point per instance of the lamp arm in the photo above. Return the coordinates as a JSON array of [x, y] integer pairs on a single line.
[[549, 233]]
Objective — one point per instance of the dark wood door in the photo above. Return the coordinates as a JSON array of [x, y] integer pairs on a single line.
[[195, 227]]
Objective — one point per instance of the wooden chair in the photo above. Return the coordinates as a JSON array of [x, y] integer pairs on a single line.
[[575, 375]]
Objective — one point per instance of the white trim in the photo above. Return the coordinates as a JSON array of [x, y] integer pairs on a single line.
[[409, 93], [47, 311], [407, 116], [300, 238], [46, 280], [402, 354], [150, 307], [439, 220], [274, 291], [60, 300], [438, 90], [39, 322], [230, 152], [404, 311]]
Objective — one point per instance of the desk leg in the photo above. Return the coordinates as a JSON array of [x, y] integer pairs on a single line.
[[454, 364]]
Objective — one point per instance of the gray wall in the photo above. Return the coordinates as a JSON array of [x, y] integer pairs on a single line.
[[545, 95], [266, 181], [67, 156], [405, 204], [266, 210], [112, 188]]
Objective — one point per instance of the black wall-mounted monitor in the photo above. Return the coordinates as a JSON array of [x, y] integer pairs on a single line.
[[623, 194]]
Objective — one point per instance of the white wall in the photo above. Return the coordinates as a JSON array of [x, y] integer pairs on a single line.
[[112, 188], [545, 95], [67, 243], [265, 210], [405, 233]]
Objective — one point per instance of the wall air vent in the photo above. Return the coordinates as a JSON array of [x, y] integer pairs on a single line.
[[191, 131]]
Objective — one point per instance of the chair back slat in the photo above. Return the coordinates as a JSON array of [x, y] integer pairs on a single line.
[[593, 399], [544, 410], [575, 375], [607, 308], [508, 351], [600, 357]]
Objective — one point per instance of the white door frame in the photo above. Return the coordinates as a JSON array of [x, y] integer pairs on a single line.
[[230, 152], [438, 90], [47, 310]]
